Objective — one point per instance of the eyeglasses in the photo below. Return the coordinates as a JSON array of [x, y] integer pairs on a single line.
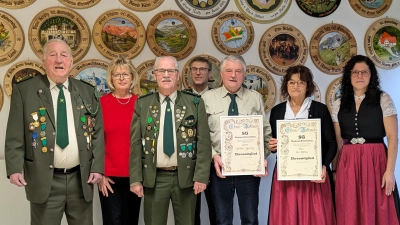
[[162, 71], [201, 69], [299, 83], [363, 73], [121, 76]]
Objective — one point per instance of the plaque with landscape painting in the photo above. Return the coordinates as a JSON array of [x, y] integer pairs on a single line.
[[370, 8], [215, 80], [11, 39], [263, 11], [61, 23], [232, 33], [119, 32], [282, 46], [319, 8], [171, 33], [382, 43], [260, 80], [202, 9], [331, 46], [333, 92], [21, 71], [148, 83], [92, 71]]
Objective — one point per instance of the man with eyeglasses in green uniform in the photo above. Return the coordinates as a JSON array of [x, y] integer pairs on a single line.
[[170, 148], [200, 72]]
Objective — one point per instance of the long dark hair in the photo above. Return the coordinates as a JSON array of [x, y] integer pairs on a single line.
[[373, 93]]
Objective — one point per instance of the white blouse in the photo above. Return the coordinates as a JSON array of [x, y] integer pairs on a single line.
[[387, 105]]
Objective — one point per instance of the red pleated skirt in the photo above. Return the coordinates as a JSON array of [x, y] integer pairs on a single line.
[[360, 200], [301, 203]]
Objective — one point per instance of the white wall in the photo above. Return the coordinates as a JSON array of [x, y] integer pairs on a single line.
[[14, 208]]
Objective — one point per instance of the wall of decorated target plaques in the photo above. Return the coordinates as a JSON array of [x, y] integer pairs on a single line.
[[270, 35]]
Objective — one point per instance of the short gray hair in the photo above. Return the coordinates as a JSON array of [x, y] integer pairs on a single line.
[[234, 58], [55, 40], [163, 57]]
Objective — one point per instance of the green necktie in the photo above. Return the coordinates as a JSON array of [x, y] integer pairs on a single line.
[[233, 108], [62, 125], [168, 130]]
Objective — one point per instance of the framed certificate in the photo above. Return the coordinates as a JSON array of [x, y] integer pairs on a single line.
[[242, 145], [299, 149]]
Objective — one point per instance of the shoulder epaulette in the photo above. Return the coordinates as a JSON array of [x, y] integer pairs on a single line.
[[21, 79], [190, 93], [148, 94], [89, 82]]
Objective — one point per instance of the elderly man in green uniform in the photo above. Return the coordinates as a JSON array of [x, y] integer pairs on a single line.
[[54, 141], [170, 148]]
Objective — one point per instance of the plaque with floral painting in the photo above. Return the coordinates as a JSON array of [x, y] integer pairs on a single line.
[[263, 11], [171, 33], [61, 23], [21, 71], [78, 4], [202, 9], [141, 5], [260, 80], [11, 39], [333, 92], [15, 4], [370, 8], [94, 72], [316, 96], [215, 80], [331, 46], [318, 9], [282, 46], [148, 83], [382, 43], [232, 33], [118, 32]]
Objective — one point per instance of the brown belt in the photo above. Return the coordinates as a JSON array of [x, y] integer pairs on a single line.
[[171, 168]]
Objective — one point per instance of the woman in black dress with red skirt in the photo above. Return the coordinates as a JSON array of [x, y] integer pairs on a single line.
[[366, 192]]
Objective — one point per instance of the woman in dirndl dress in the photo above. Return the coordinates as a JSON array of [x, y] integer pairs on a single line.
[[366, 192]]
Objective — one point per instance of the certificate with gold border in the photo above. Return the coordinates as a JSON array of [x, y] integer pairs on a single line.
[[242, 145], [299, 149]]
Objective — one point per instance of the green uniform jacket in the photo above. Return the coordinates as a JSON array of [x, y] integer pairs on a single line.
[[143, 160], [37, 166]]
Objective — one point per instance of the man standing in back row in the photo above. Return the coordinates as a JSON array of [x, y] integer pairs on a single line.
[[54, 141], [200, 72], [229, 100]]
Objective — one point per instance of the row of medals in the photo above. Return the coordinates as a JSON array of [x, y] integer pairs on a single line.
[[179, 116], [35, 124]]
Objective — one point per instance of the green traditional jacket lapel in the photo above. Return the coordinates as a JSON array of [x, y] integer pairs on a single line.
[[182, 112], [45, 96], [76, 103]]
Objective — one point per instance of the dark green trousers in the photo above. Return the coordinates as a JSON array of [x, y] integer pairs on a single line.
[[66, 195], [157, 200]]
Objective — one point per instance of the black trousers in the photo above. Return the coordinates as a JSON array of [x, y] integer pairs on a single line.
[[121, 207], [210, 203]]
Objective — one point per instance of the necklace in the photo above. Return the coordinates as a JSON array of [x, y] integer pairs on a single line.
[[122, 103]]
